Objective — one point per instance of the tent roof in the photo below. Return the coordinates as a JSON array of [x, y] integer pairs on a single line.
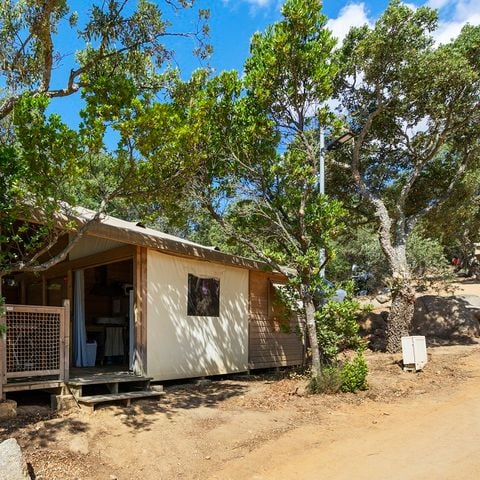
[[113, 228]]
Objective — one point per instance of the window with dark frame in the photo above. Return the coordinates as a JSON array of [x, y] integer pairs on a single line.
[[203, 296]]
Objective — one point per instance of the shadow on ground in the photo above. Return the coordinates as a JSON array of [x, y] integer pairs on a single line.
[[177, 398]]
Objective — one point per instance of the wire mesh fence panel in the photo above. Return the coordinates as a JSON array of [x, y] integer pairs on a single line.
[[33, 341]]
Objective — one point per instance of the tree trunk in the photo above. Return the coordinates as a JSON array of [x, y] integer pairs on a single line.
[[312, 333], [403, 292], [400, 317]]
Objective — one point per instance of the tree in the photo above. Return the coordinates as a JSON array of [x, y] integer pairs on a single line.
[[255, 150], [47, 167], [406, 99], [425, 254], [456, 223]]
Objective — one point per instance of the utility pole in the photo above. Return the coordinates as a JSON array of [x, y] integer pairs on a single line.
[[321, 169], [321, 188]]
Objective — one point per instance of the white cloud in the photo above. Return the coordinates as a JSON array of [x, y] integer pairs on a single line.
[[438, 3], [352, 15], [410, 5], [254, 3], [466, 9], [460, 12], [255, 6], [259, 3], [454, 14], [447, 30]]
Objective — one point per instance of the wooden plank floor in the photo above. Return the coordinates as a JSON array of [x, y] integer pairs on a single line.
[[105, 378]]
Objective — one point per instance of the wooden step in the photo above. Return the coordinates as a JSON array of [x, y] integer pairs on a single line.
[[93, 400], [106, 379]]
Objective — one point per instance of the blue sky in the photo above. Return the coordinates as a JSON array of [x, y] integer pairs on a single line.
[[233, 22]]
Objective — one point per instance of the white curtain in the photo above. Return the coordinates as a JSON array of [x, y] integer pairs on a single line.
[[80, 332]]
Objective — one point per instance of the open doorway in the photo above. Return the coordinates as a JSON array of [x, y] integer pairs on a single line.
[[107, 312]]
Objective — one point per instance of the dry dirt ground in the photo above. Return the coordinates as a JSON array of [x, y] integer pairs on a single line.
[[423, 426]]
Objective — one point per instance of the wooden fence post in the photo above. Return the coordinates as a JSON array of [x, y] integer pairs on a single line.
[[66, 341]]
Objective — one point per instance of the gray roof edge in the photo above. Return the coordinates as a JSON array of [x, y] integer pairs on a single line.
[[128, 232]]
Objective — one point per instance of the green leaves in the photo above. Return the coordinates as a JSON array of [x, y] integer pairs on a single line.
[[290, 70], [46, 155], [47, 167]]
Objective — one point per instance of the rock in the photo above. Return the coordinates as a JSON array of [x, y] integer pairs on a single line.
[[301, 390], [382, 298], [8, 409], [12, 463], [63, 403], [447, 318]]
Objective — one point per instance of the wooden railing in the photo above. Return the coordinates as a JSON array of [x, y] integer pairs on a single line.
[[36, 344]]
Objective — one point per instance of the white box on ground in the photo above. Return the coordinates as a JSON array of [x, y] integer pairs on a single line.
[[414, 351]]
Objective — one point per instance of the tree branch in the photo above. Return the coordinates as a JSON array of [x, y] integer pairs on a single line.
[[30, 265]]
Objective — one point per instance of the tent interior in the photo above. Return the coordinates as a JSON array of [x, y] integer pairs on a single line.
[[107, 302], [101, 323]]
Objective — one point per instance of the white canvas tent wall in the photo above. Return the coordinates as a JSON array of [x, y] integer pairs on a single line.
[[182, 346]]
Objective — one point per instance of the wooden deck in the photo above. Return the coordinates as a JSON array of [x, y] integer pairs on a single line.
[[89, 373], [92, 386], [32, 384]]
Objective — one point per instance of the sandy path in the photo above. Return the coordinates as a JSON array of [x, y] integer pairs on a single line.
[[420, 438]]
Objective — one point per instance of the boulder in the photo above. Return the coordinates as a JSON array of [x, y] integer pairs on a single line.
[[446, 318], [12, 463], [443, 320]]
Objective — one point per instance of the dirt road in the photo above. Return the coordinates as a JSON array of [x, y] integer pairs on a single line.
[[406, 426], [431, 437]]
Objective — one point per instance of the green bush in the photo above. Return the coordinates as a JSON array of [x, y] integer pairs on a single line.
[[328, 381], [349, 377], [337, 326], [354, 374]]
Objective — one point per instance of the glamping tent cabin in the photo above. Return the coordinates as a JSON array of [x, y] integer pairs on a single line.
[[147, 302]]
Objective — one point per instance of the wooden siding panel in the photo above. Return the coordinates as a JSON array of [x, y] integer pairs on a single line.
[[269, 346]]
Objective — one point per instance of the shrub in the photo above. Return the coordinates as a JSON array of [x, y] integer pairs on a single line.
[[349, 377], [328, 381], [337, 326], [354, 374]]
